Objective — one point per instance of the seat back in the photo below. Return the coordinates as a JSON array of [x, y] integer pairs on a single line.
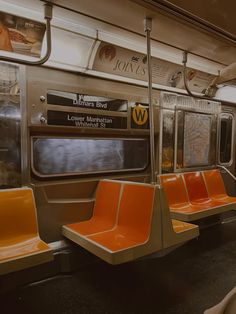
[[107, 200], [17, 215], [214, 183], [174, 188], [195, 186], [136, 207]]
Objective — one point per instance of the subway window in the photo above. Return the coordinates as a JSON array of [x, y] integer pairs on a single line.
[[78, 156], [226, 138]]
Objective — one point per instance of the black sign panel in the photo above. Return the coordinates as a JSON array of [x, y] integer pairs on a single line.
[[84, 120], [86, 101]]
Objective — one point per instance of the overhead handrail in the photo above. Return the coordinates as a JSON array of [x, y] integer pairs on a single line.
[[47, 17], [227, 170]]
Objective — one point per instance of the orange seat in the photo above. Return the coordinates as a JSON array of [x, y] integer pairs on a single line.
[[215, 186], [197, 191], [188, 197], [175, 200], [143, 226], [137, 231], [134, 219], [180, 226], [104, 211], [20, 245], [176, 194]]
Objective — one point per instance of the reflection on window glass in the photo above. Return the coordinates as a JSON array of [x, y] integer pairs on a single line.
[[68, 156], [226, 128]]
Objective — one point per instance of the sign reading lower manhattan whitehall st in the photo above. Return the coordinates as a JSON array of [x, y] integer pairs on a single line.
[[85, 120]]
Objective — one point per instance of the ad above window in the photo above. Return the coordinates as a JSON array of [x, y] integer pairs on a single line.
[[21, 35]]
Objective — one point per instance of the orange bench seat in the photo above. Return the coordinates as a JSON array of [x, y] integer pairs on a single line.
[[197, 191], [133, 225], [20, 244], [137, 231], [140, 228], [195, 195]]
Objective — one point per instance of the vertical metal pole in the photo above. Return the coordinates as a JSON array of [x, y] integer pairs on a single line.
[[148, 28]]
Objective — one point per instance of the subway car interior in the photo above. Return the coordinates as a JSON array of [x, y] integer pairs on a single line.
[[117, 156]]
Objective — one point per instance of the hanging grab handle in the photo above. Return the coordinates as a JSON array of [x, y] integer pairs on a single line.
[[185, 59], [47, 17]]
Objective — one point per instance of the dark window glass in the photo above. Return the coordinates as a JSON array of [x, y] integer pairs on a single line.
[[226, 129], [70, 156]]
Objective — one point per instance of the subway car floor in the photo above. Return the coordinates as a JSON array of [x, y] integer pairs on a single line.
[[189, 280]]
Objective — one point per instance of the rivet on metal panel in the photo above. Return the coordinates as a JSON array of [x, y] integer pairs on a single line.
[[43, 119], [42, 98]]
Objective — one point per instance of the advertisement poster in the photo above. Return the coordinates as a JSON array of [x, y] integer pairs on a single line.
[[21, 35], [124, 62]]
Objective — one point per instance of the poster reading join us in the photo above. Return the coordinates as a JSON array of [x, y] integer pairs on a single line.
[[124, 62], [21, 35]]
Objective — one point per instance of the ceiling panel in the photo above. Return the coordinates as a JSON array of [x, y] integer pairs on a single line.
[[219, 13]]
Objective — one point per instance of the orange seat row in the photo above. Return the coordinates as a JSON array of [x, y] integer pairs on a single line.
[[195, 195], [20, 244], [126, 222]]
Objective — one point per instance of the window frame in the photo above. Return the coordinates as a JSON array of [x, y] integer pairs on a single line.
[[88, 173]]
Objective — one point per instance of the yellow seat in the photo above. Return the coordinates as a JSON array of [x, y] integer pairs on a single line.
[[20, 244]]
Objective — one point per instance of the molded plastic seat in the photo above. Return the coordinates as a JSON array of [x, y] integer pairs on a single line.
[[20, 244], [104, 211], [177, 196], [175, 232], [137, 232], [188, 197], [133, 226], [197, 191], [215, 186], [175, 191], [180, 226]]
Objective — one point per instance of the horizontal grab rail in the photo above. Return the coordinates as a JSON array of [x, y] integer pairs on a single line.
[[224, 168], [47, 17]]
